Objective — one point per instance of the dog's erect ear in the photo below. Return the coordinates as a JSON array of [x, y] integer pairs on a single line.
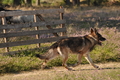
[[95, 30], [92, 30]]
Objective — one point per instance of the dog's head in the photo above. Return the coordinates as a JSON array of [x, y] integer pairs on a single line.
[[97, 36]]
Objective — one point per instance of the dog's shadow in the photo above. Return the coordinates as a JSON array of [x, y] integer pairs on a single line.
[[106, 68]]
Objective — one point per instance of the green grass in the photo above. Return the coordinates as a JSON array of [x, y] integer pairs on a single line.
[[82, 72], [90, 75], [17, 64]]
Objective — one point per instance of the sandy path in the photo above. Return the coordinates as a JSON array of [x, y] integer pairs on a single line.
[[56, 71]]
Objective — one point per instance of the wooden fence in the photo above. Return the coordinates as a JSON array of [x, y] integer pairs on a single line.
[[36, 24]]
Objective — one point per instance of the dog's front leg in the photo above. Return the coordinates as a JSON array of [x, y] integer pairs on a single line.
[[87, 57], [65, 57], [79, 60]]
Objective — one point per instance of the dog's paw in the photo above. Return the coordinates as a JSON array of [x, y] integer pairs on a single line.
[[74, 65], [45, 67], [97, 67], [70, 69]]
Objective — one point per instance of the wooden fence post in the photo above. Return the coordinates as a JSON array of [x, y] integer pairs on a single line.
[[4, 31], [62, 25], [36, 28]]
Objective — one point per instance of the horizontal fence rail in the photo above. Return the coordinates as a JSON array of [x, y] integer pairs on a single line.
[[32, 12], [32, 24], [19, 43], [28, 33]]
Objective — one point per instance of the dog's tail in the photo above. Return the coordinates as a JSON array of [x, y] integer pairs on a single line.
[[48, 55], [40, 56]]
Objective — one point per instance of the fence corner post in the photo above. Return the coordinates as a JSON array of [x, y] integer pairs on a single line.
[[4, 31], [36, 28], [62, 25]]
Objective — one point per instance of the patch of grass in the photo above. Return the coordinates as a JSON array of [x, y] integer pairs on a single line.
[[110, 72], [90, 75], [17, 64]]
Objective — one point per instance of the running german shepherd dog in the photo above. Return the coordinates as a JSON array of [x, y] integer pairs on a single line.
[[78, 45]]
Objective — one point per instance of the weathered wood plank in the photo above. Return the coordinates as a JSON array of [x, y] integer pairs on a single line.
[[19, 43], [32, 12], [27, 33], [32, 24]]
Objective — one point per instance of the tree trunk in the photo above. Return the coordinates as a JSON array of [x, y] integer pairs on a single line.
[[76, 2], [73, 2], [16, 2], [1, 1], [29, 2], [88, 2], [67, 2], [37, 2]]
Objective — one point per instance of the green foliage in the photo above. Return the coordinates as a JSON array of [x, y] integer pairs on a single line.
[[7, 1], [51, 3]]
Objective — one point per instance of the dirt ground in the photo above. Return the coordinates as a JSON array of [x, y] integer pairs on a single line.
[[55, 71]]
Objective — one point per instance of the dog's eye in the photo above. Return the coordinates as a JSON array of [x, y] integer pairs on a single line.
[[99, 36]]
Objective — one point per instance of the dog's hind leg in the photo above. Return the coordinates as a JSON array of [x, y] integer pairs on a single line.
[[44, 64], [64, 55], [87, 57], [51, 54]]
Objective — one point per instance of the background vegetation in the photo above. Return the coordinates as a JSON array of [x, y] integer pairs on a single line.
[[50, 3]]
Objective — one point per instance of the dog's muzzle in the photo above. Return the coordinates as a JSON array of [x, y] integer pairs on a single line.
[[100, 40]]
